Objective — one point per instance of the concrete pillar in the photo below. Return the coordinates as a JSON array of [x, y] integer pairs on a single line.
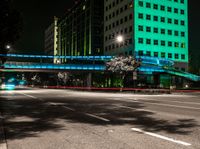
[[89, 80]]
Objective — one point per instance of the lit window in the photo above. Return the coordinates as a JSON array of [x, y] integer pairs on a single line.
[[182, 56]]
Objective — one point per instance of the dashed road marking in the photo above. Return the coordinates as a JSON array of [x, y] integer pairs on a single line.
[[161, 137], [137, 109], [69, 108], [29, 96], [97, 117]]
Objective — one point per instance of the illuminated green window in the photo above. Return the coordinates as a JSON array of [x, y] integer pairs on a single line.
[[162, 8], [169, 20], [169, 55], [155, 18], [169, 32], [176, 44], [140, 16], [162, 43], [140, 40], [155, 30], [169, 44], [162, 31], [182, 56], [140, 28], [176, 33], [148, 17], [169, 9], [148, 41], [176, 56], [182, 12], [155, 6], [162, 19], [148, 53], [148, 29], [141, 3], [175, 10], [155, 42], [182, 1], [155, 54], [140, 52], [163, 54], [148, 5]]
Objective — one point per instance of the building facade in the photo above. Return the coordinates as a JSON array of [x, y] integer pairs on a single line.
[[51, 39], [148, 27], [80, 31]]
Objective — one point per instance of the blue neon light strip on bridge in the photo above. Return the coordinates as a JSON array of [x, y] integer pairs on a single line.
[[59, 57], [54, 66]]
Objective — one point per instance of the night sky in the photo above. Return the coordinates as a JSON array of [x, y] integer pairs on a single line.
[[38, 15]]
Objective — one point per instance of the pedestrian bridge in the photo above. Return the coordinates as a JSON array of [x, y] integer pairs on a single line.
[[150, 65], [23, 66]]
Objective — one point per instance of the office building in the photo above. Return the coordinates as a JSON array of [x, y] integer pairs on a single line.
[[51, 39], [80, 31], [148, 27]]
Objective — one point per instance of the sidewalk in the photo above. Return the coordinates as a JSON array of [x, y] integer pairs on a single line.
[[117, 89], [3, 144]]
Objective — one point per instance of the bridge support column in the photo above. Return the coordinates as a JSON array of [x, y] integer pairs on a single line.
[[156, 78], [89, 80]]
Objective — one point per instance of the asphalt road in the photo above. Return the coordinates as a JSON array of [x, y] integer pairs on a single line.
[[64, 119]]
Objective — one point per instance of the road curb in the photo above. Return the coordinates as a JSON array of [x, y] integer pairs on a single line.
[[3, 144]]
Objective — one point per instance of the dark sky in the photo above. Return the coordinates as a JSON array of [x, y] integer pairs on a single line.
[[38, 14]]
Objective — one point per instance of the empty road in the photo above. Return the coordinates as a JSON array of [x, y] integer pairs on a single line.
[[65, 119]]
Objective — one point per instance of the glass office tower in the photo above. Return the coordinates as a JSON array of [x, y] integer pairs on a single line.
[[80, 31]]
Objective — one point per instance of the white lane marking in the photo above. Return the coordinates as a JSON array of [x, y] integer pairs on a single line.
[[175, 101], [97, 117], [29, 96], [69, 108], [168, 105], [137, 109], [160, 104], [56, 104], [88, 114], [161, 137]]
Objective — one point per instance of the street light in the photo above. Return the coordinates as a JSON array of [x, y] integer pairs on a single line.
[[120, 38], [8, 47]]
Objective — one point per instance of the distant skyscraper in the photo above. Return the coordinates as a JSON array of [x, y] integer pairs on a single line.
[[51, 37], [148, 27], [80, 31]]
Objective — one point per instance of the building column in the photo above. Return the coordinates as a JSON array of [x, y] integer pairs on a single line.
[[89, 80]]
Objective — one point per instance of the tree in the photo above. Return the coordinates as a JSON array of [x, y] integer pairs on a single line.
[[36, 79], [11, 25], [122, 65], [63, 77]]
